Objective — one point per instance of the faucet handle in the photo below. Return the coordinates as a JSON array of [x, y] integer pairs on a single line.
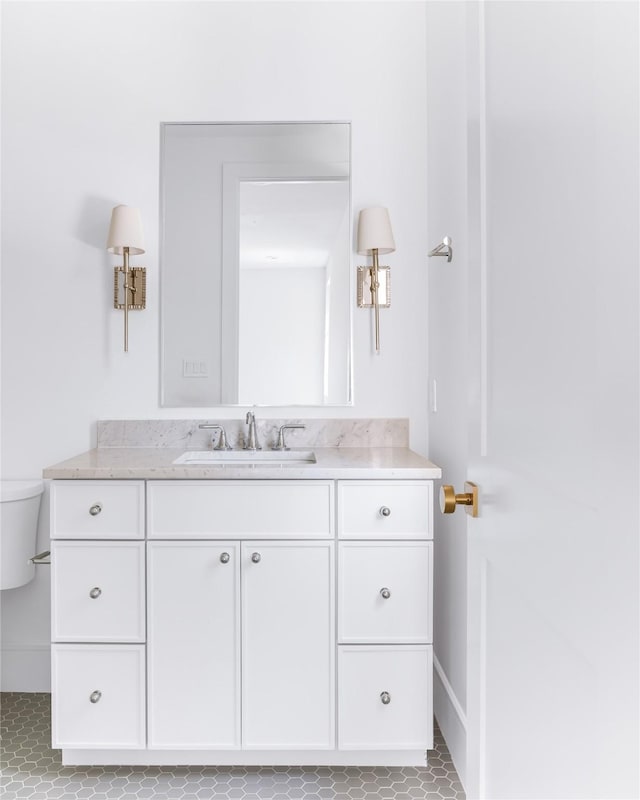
[[280, 445], [222, 440], [223, 444]]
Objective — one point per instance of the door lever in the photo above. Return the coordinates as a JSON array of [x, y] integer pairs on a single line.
[[449, 500]]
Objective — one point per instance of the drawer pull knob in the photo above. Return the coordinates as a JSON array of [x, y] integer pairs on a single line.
[[95, 509], [95, 696], [95, 593], [225, 557], [385, 697], [385, 511], [385, 593], [256, 558]]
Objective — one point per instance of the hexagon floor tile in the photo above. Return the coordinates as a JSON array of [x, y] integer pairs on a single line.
[[31, 769]]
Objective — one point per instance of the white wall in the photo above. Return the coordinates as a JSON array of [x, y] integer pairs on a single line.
[[84, 88]]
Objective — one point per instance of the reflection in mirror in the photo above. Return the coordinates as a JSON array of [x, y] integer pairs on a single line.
[[256, 291]]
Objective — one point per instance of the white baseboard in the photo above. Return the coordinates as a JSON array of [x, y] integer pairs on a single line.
[[25, 667], [451, 719]]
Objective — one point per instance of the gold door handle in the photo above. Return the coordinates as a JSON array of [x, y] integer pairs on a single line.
[[469, 498]]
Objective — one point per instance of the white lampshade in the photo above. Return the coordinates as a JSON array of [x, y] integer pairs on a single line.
[[374, 232], [125, 231]]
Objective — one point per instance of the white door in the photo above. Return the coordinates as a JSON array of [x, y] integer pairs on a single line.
[[288, 645], [536, 366], [193, 644]]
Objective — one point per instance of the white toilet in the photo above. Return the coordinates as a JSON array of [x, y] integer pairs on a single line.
[[19, 508]]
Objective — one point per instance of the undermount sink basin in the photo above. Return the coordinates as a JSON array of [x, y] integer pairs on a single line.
[[239, 458]]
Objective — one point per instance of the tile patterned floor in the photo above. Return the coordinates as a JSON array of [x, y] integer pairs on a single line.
[[30, 769]]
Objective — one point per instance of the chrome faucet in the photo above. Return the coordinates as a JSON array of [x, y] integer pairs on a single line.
[[252, 439]]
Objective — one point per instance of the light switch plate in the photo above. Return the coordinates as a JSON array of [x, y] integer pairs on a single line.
[[194, 368]]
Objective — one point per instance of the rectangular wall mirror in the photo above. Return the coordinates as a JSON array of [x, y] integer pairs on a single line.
[[255, 264]]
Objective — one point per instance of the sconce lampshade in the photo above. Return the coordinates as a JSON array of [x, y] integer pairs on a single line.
[[374, 232], [125, 231]]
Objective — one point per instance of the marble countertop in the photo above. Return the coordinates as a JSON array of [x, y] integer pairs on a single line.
[[331, 463]]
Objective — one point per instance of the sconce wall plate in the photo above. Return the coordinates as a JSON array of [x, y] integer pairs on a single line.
[[365, 296], [137, 288]]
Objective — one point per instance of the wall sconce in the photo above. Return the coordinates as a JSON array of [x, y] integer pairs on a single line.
[[375, 238], [129, 283]]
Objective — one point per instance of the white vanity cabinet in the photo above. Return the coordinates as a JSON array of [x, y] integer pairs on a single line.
[[242, 621]]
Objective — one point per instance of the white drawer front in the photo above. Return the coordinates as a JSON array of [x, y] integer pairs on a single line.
[[385, 592], [368, 676], [226, 509], [385, 509], [97, 510], [98, 591], [110, 675]]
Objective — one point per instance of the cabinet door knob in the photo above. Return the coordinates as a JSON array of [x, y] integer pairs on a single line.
[[385, 697], [95, 696], [385, 511], [385, 593], [95, 593], [256, 558], [95, 509], [224, 557]]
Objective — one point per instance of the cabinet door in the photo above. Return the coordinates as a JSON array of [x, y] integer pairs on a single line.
[[288, 699], [193, 644]]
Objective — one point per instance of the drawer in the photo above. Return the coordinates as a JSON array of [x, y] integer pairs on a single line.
[[98, 696], [399, 675], [98, 591], [97, 510], [385, 592], [385, 509], [227, 509]]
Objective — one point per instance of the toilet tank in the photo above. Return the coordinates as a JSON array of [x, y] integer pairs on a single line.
[[19, 509]]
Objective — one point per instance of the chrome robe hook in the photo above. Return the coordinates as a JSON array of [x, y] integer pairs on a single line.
[[445, 248]]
